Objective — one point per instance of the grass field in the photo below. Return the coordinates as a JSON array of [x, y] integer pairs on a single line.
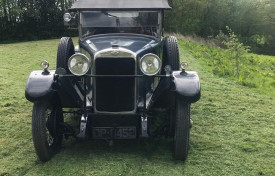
[[233, 132], [255, 71]]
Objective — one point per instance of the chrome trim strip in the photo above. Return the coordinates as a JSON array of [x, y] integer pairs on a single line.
[[115, 52]]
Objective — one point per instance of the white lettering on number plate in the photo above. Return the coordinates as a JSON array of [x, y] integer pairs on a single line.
[[114, 133]]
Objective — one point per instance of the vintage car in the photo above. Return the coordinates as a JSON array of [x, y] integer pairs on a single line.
[[121, 70]]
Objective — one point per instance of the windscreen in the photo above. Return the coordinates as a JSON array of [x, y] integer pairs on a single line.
[[93, 23]]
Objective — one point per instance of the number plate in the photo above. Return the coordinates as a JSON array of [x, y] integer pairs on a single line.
[[114, 133]]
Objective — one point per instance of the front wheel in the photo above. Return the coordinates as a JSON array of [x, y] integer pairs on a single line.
[[182, 129], [45, 130]]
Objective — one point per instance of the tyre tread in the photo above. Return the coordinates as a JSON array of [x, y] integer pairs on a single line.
[[64, 52], [182, 130], [43, 150], [172, 50]]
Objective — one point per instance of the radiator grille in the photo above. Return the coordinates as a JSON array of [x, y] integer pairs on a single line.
[[115, 94]]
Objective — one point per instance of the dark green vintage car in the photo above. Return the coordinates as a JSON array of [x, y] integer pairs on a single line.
[[120, 71]]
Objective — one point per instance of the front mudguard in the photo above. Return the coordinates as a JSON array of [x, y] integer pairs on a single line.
[[187, 85], [40, 86]]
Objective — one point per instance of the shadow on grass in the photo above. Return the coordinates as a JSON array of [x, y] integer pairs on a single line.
[[158, 148], [124, 157]]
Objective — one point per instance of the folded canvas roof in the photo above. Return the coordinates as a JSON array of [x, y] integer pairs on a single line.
[[120, 5]]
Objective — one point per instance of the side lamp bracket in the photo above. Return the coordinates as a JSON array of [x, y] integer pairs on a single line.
[[168, 70]]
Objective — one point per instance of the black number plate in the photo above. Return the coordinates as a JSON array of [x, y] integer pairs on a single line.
[[114, 133]]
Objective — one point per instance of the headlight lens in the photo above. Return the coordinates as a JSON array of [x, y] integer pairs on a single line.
[[150, 64], [44, 65], [184, 65], [78, 64], [67, 17]]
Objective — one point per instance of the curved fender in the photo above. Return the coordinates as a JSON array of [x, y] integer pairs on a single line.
[[39, 85], [187, 85]]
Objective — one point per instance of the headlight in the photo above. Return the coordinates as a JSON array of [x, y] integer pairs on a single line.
[[78, 64], [67, 17], [44, 65], [150, 64], [184, 65]]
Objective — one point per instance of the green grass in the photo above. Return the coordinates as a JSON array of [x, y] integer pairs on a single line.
[[256, 71], [233, 132]]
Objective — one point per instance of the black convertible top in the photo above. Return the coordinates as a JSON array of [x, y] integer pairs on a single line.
[[120, 5]]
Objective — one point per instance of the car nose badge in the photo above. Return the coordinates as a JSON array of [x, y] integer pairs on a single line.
[[115, 53]]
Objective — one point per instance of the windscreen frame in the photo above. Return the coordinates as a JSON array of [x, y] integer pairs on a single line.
[[159, 27]]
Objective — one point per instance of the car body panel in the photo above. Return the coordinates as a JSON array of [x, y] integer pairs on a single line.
[[187, 85], [42, 86], [138, 44], [39, 85]]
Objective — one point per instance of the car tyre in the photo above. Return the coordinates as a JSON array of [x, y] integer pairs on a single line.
[[182, 129], [64, 52], [45, 117], [171, 52]]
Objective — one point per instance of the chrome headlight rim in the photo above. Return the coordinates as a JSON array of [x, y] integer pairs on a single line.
[[158, 59], [83, 56]]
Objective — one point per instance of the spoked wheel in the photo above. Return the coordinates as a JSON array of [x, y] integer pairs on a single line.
[[46, 130], [182, 129]]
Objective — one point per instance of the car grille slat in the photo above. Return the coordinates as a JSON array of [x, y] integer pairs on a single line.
[[115, 94]]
